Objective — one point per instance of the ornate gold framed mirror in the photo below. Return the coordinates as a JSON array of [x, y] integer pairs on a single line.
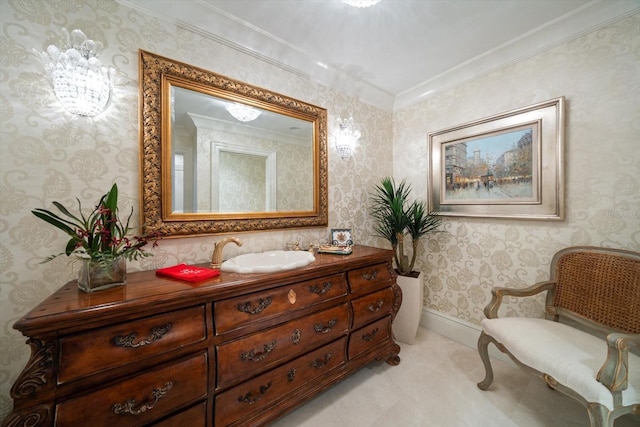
[[219, 155]]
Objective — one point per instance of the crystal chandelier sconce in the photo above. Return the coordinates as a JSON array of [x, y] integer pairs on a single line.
[[361, 3], [80, 81], [347, 138], [241, 112]]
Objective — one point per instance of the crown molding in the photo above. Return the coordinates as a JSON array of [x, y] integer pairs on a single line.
[[204, 19], [590, 17]]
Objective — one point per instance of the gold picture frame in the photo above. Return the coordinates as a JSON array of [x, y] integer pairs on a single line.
[[505, 166]]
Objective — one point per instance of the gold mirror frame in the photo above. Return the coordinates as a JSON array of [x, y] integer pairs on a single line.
[[155, 177]]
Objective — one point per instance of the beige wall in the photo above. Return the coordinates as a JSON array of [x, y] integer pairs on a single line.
[[47, 155], [599, 75]]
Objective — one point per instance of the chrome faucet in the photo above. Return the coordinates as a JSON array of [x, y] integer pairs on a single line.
[[216, 258]]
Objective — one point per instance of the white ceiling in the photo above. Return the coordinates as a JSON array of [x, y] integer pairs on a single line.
[[397, 52]]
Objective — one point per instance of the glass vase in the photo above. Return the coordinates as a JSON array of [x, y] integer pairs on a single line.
[[95, 276]]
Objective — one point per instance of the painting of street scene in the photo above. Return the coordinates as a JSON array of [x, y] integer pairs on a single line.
[[499, 168]]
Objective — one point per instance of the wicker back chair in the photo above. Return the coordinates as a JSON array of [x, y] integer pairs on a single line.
[[602, 285], [582, 347]]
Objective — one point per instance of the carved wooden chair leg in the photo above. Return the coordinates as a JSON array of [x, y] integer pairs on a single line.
[[599, 416], [483, 344]]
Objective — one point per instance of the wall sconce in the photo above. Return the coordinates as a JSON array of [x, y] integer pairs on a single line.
[[347, 138], [241, 112], [80, 81]]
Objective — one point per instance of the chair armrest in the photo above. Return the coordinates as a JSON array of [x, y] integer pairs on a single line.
[[614, 373], [491, 310]]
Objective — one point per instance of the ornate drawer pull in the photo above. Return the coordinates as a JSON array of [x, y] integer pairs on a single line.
[[128, 406], [250, 399], [320, 328], [320, 363], [156, 333], [320, 291], [256, 357], [262, 304], [296, 336], [370, 276], [291, 374], [371, 336], [376, 307]]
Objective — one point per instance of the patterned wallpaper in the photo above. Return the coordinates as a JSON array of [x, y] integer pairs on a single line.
[[248, 193], [293, 174], [47, 155], [598, 75]]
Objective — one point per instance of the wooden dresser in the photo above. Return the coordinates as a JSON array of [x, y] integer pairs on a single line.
[[239, 349]]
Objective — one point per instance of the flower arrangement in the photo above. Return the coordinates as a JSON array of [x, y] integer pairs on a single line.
[[100, 236]]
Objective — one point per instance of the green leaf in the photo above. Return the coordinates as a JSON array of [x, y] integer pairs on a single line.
[[71, 246], [111, 201], [54, 220], [64, 210]]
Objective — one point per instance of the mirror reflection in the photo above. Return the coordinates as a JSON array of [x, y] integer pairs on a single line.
[[230, 157], [220, 155]]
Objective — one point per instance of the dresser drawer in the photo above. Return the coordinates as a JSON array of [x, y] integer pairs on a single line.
[[237, 312], [97, 350], [255, 353], [140, 399], [195, 416], [369, 336], [368, 277], [248, 398], [371, 307]]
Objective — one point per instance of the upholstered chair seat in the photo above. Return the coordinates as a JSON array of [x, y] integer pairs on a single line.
[[568, 355]]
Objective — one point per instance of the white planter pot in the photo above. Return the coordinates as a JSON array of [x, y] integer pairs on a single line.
[[405, 325]]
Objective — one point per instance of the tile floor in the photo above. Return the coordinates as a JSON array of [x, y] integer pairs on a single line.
[[435, 386]]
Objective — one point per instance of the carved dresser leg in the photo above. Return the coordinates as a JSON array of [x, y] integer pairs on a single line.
[[391, 357], [34, 416], [37, 374], [35, 384]]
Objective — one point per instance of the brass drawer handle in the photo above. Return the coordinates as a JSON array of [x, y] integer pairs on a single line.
[[321, 329], [296, 336], [250, 399], [156, 333], [320, 363], [371, 336], [370, 276], [320, 290], [256, 357], [128, 406], [248, 307], [376, 307]]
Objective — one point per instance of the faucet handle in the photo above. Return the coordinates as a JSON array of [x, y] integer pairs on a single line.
[[296, 245]]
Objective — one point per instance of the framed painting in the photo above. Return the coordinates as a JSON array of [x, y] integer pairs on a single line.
[[506, 166]]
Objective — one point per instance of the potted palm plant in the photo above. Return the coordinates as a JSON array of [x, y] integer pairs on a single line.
[[398, 219]]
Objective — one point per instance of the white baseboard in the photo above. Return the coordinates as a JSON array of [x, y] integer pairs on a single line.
[[457, 330]]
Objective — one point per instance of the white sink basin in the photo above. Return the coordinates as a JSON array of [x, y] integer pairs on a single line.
[[267, 262]]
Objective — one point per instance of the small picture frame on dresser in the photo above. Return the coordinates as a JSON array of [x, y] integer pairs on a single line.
[[341, 237]]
